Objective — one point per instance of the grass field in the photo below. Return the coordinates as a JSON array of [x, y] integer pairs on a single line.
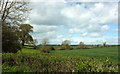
[[98, 53]]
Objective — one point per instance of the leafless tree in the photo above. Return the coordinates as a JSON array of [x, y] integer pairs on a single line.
[[45, 41], [13, 11]]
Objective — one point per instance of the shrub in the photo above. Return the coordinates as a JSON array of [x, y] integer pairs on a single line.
[[61, 49], [38, 48], [34, 47], [81, 46], [25, 62], [98, 45], [51, 48], [45, 49], [66, 46], [71, 48]]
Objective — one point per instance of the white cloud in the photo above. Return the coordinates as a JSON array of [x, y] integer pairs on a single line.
[[104, 27], [84, 34], [74, 1], [95, 34], [61, 20], [43, 28], [60, 36]]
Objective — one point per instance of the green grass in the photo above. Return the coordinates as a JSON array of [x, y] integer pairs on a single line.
[[29, 50], [99, 53]]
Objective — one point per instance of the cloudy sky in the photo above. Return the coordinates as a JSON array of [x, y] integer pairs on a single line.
[[89, 22]]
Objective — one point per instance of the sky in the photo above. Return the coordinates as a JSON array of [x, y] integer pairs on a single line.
[[89, 22]]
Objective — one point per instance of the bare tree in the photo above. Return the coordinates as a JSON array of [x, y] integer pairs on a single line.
[[13, 11], [45, 41], [44, 49]]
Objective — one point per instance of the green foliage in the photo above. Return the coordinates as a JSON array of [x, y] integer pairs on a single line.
[[10, 23], [81, 46], [66, 45], [10, 40], [44, 49], [34, 43], [24, 35], [26, 62], [104, 44], [66, 42], [34, 47], [51, 48]]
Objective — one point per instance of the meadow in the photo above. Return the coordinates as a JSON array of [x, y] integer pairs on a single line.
[[76, 60]]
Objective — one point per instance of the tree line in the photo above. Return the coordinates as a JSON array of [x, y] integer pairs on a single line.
[[15, 33]]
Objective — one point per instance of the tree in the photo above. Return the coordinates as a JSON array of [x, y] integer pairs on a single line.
[[44, 49], [10, 41], [13, 13], [81, 45], [66, 44], [24, 31], [34, 42], [104, 44], [45, 41]]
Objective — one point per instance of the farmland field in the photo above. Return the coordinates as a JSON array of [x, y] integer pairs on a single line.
[[98, 53]]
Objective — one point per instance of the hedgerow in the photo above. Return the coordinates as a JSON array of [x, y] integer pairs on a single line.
[[45, 62]]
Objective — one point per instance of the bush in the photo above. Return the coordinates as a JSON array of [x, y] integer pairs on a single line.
[[45, 49], [34, 47], [61, 49], [71, 48], [82, 47], [66, 46], [51, 48], [38, 48], [25, 62]]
